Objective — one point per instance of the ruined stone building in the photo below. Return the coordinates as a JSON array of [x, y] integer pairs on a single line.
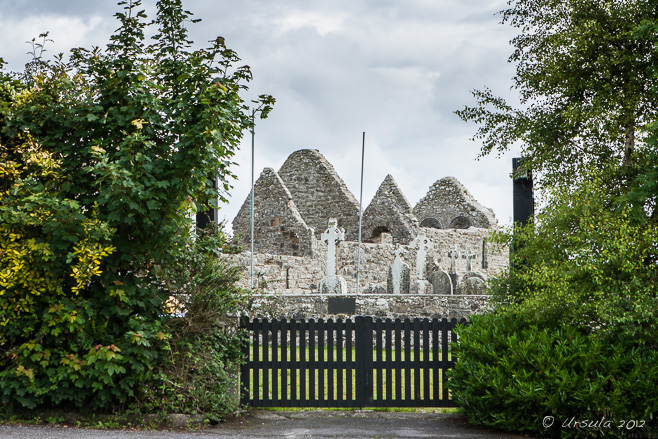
[[439, 246]]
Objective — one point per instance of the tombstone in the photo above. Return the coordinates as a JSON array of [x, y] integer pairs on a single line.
[[472, 286], [399, 278], [331, 283], [468, 256], [423, 245], [453, 254], [441, 282]]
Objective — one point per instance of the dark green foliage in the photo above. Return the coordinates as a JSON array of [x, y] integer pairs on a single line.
[[106, 157], [512, 373], [200, 374]]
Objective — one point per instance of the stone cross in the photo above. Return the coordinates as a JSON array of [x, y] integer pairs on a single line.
[[453, 254], [468, 256], [332, 236], [331, 283], [398, 270], [423, 244]]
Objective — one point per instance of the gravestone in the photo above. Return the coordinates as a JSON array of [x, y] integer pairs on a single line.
[[423, 245], [331, 283], [468, 256], [441, 282], [398, 278], [453, 254], [472, 286]]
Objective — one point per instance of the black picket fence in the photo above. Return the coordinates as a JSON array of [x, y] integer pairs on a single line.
[[351, 363]]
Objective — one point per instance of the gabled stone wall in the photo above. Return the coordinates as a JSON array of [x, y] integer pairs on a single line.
[[278, 226], [389, 212], [319, 193], [448, 205]]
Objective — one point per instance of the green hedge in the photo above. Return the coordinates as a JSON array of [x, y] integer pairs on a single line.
[[512, 376]]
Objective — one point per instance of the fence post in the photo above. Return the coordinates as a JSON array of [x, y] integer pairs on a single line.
[[364, 361], [244, 367]]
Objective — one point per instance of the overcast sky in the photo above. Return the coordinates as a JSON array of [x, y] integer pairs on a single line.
[[396, 70]]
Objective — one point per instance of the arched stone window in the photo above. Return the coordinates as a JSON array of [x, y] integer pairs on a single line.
[[460, 222], [431, 222]]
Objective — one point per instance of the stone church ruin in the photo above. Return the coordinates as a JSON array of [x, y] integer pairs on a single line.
[[432, 259]]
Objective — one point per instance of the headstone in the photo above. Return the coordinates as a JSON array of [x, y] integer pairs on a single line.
[[453, 254], [398, 274], [331, 283], [472, 286], [441, 282], [468, 256], [423, 245]]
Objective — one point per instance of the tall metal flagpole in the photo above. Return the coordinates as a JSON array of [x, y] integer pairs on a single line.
[[358, 251], [251, 213]]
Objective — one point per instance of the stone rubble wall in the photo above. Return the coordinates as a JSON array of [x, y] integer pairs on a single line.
[[278, 226], [449, 203], [319, 193], [285, 274], [315, 306]]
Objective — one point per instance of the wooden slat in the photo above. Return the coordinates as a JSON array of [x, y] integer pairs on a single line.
[[294, 366], [350, 371], [445, 325], [389, 363], [312, 364], [398, 360], [321, 361], [275, 357], [284, 364], [407, 361], [436, 347], [303, 365], [427, 365], [331, 365], [265, 361], [416, 363]]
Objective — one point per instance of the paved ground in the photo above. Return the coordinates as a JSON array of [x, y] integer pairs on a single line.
[[290, 425]]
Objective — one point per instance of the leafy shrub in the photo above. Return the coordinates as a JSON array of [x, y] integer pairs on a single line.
[[512, 374], [200, 374], [103, 156]]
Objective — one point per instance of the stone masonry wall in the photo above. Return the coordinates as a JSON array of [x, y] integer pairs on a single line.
[[449, 205], [389, 211], [315, 306], [319, 193], [286, 274], [278, 226]]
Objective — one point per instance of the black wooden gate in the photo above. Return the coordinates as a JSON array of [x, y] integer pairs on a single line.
[[351, 363]]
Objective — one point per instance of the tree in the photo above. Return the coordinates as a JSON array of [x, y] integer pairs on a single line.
[[585, 74], [129, 139]]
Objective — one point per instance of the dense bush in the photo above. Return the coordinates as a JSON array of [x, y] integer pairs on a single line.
[[512, 374], [105, 157], [200, 372]]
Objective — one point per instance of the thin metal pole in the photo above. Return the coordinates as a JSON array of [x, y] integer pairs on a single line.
[[251, 271], [358, 251]]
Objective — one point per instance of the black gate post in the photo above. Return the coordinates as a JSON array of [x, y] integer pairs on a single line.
[[364, 362], [244, 367]]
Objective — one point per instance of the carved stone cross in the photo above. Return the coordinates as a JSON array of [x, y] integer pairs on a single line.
[[423, 244], [398, 272], [468, 256], [332, 236], [453, 254]]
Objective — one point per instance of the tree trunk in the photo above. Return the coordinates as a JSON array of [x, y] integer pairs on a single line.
[[629, 144]]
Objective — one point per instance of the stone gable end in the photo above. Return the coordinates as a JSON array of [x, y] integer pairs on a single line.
[[389, 212], [278, 226], [319, 193], [448, 205]]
